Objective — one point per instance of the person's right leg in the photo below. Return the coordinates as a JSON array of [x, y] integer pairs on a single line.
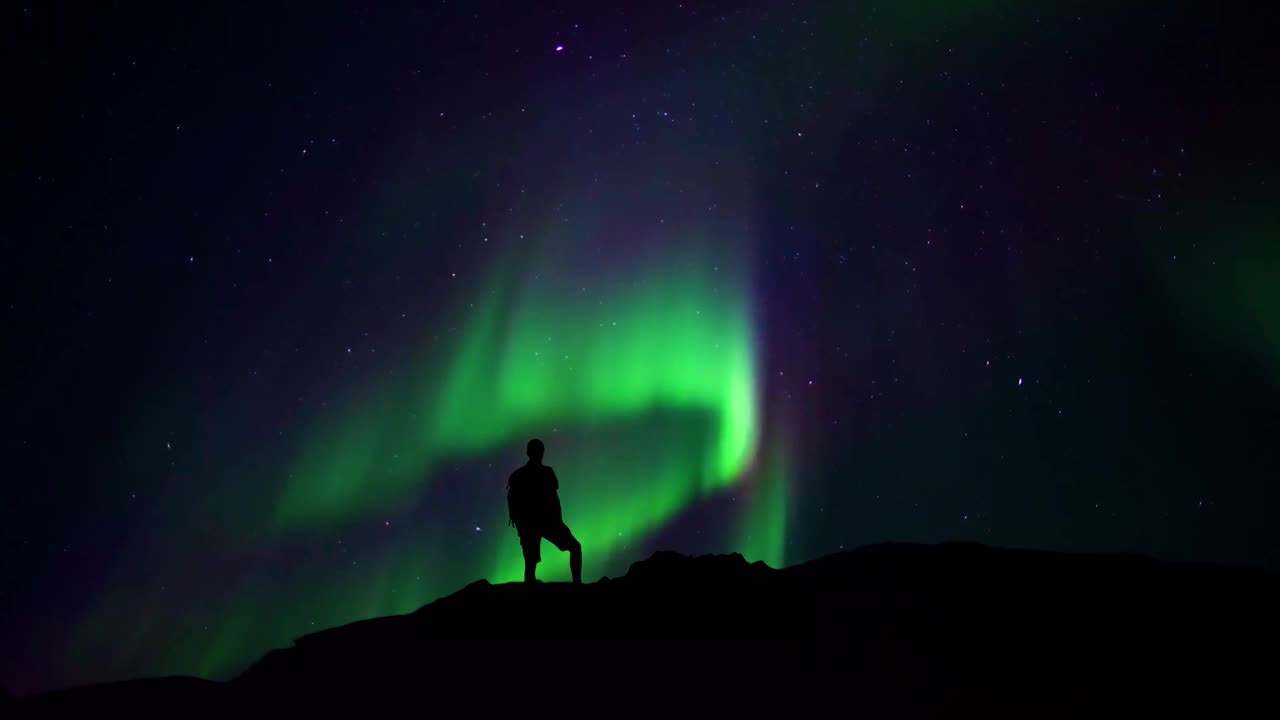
[[575, 561]]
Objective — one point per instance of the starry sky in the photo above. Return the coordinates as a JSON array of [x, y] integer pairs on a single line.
[[285, 292]]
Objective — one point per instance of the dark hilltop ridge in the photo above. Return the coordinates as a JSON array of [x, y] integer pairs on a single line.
[[955, 629]]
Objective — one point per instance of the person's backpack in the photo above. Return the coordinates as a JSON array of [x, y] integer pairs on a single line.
[[516, 503]]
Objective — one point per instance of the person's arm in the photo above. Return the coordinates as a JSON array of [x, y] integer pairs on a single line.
[[555, 481], [511, 508]]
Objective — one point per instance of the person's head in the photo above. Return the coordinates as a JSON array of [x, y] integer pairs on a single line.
[[534, 450]]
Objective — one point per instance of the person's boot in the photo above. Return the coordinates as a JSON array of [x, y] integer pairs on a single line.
[[575, 566]]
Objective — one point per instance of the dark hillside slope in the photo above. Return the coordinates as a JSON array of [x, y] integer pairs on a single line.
[[889, 629]]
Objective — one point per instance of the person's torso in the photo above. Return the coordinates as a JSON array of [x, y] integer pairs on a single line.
[[536, 486]]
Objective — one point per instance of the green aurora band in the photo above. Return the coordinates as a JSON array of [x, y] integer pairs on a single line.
[[537, 357]]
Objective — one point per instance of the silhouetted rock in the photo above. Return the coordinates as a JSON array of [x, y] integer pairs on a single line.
[[954, 629], [666, 567]]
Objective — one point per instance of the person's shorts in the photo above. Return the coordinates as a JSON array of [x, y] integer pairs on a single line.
[[559, 535]]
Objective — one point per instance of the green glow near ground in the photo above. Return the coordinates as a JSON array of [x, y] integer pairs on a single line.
[[762, 529]]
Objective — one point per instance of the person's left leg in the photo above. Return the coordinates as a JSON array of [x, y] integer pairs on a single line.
[[564, 540]]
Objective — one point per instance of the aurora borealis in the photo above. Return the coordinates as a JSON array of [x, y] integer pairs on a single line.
[[676, 337], [287, 295]]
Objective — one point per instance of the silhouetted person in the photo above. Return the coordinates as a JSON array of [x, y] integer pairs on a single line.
[[534, 509]]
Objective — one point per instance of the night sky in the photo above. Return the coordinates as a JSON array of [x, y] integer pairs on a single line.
[[286, 291]]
